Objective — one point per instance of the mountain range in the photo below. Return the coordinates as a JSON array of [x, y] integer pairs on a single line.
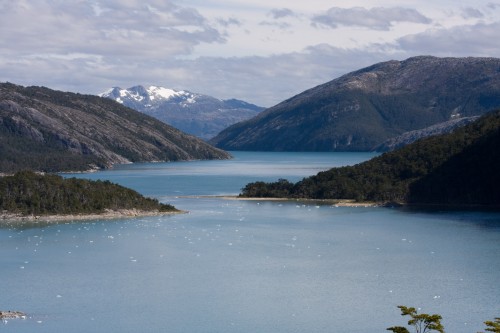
[[362, 109], [49, 130], [200, 115]]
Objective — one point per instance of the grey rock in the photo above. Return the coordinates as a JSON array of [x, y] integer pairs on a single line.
[[412, 136]]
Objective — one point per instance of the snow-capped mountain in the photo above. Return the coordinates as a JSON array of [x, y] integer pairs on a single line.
[[201, 115]]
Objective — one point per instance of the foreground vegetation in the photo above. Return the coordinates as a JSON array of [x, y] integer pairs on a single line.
[[28, 193], [453, 169], [423, 322]]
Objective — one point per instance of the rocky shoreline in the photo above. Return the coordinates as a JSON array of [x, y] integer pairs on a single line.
[[107, 214], [333, 202]]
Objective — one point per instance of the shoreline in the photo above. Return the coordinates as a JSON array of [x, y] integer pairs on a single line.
[[108, 214], [353, 203], [336, 202]]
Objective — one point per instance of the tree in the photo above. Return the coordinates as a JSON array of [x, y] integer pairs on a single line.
[[493, 326], [422, 322]]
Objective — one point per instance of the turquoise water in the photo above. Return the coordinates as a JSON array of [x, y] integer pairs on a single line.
[[250, 266]]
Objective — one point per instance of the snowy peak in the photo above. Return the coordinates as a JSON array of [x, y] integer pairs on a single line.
[[197, 114], [148, 96]]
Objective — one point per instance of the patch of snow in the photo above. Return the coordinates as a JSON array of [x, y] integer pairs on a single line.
[[161, 92]]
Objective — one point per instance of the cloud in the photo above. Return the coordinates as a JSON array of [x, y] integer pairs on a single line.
[[493, 5], [89, 46], [470, 12], [376, 18], [269, 80], [278, 16], [470, 40], [229, 22], [128, 28], [281, 13]]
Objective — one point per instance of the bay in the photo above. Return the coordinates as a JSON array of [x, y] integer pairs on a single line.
[[249, 266]]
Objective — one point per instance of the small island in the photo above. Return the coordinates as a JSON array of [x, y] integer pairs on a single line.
[[29, 196]]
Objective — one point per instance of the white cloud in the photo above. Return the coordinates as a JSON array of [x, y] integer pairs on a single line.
[[281, 13], [469, 40], [470, 12], [378, 18], [128, 28], [259, 51]]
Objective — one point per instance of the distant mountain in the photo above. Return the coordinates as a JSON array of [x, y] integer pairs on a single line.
[[48, 130], [200, 115], [362, 109], [458, 169]]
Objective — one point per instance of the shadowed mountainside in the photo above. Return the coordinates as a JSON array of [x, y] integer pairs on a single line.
[[48, 130], [362, 109]]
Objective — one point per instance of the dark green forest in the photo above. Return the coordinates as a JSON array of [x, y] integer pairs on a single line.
[[460, 168], [28, 193]]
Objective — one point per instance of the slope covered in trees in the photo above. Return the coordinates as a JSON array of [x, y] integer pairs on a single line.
[[27, 193], [460, 168]]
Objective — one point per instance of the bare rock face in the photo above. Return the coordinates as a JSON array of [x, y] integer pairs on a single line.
[[50, 130], [412, 136], [362, 109]]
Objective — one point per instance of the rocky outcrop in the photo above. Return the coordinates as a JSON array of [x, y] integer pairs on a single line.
[[412, 136]]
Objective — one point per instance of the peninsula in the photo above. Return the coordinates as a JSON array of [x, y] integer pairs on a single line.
[[28, 196], [456, 169]]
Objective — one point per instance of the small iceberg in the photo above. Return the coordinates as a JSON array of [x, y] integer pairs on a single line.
[[6, 315]]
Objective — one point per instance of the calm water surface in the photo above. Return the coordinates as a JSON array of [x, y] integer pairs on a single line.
[[249, 266]]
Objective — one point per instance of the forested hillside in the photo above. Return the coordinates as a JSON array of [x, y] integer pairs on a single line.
[[460, 168]]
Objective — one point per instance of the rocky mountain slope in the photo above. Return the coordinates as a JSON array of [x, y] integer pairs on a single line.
[[49, 130], [412, 136], [362, 109], [201, 115]]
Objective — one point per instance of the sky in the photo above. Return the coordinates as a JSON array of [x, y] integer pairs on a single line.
[[259, 51]]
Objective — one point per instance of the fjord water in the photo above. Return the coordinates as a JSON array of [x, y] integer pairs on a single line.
[[249, 266]]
